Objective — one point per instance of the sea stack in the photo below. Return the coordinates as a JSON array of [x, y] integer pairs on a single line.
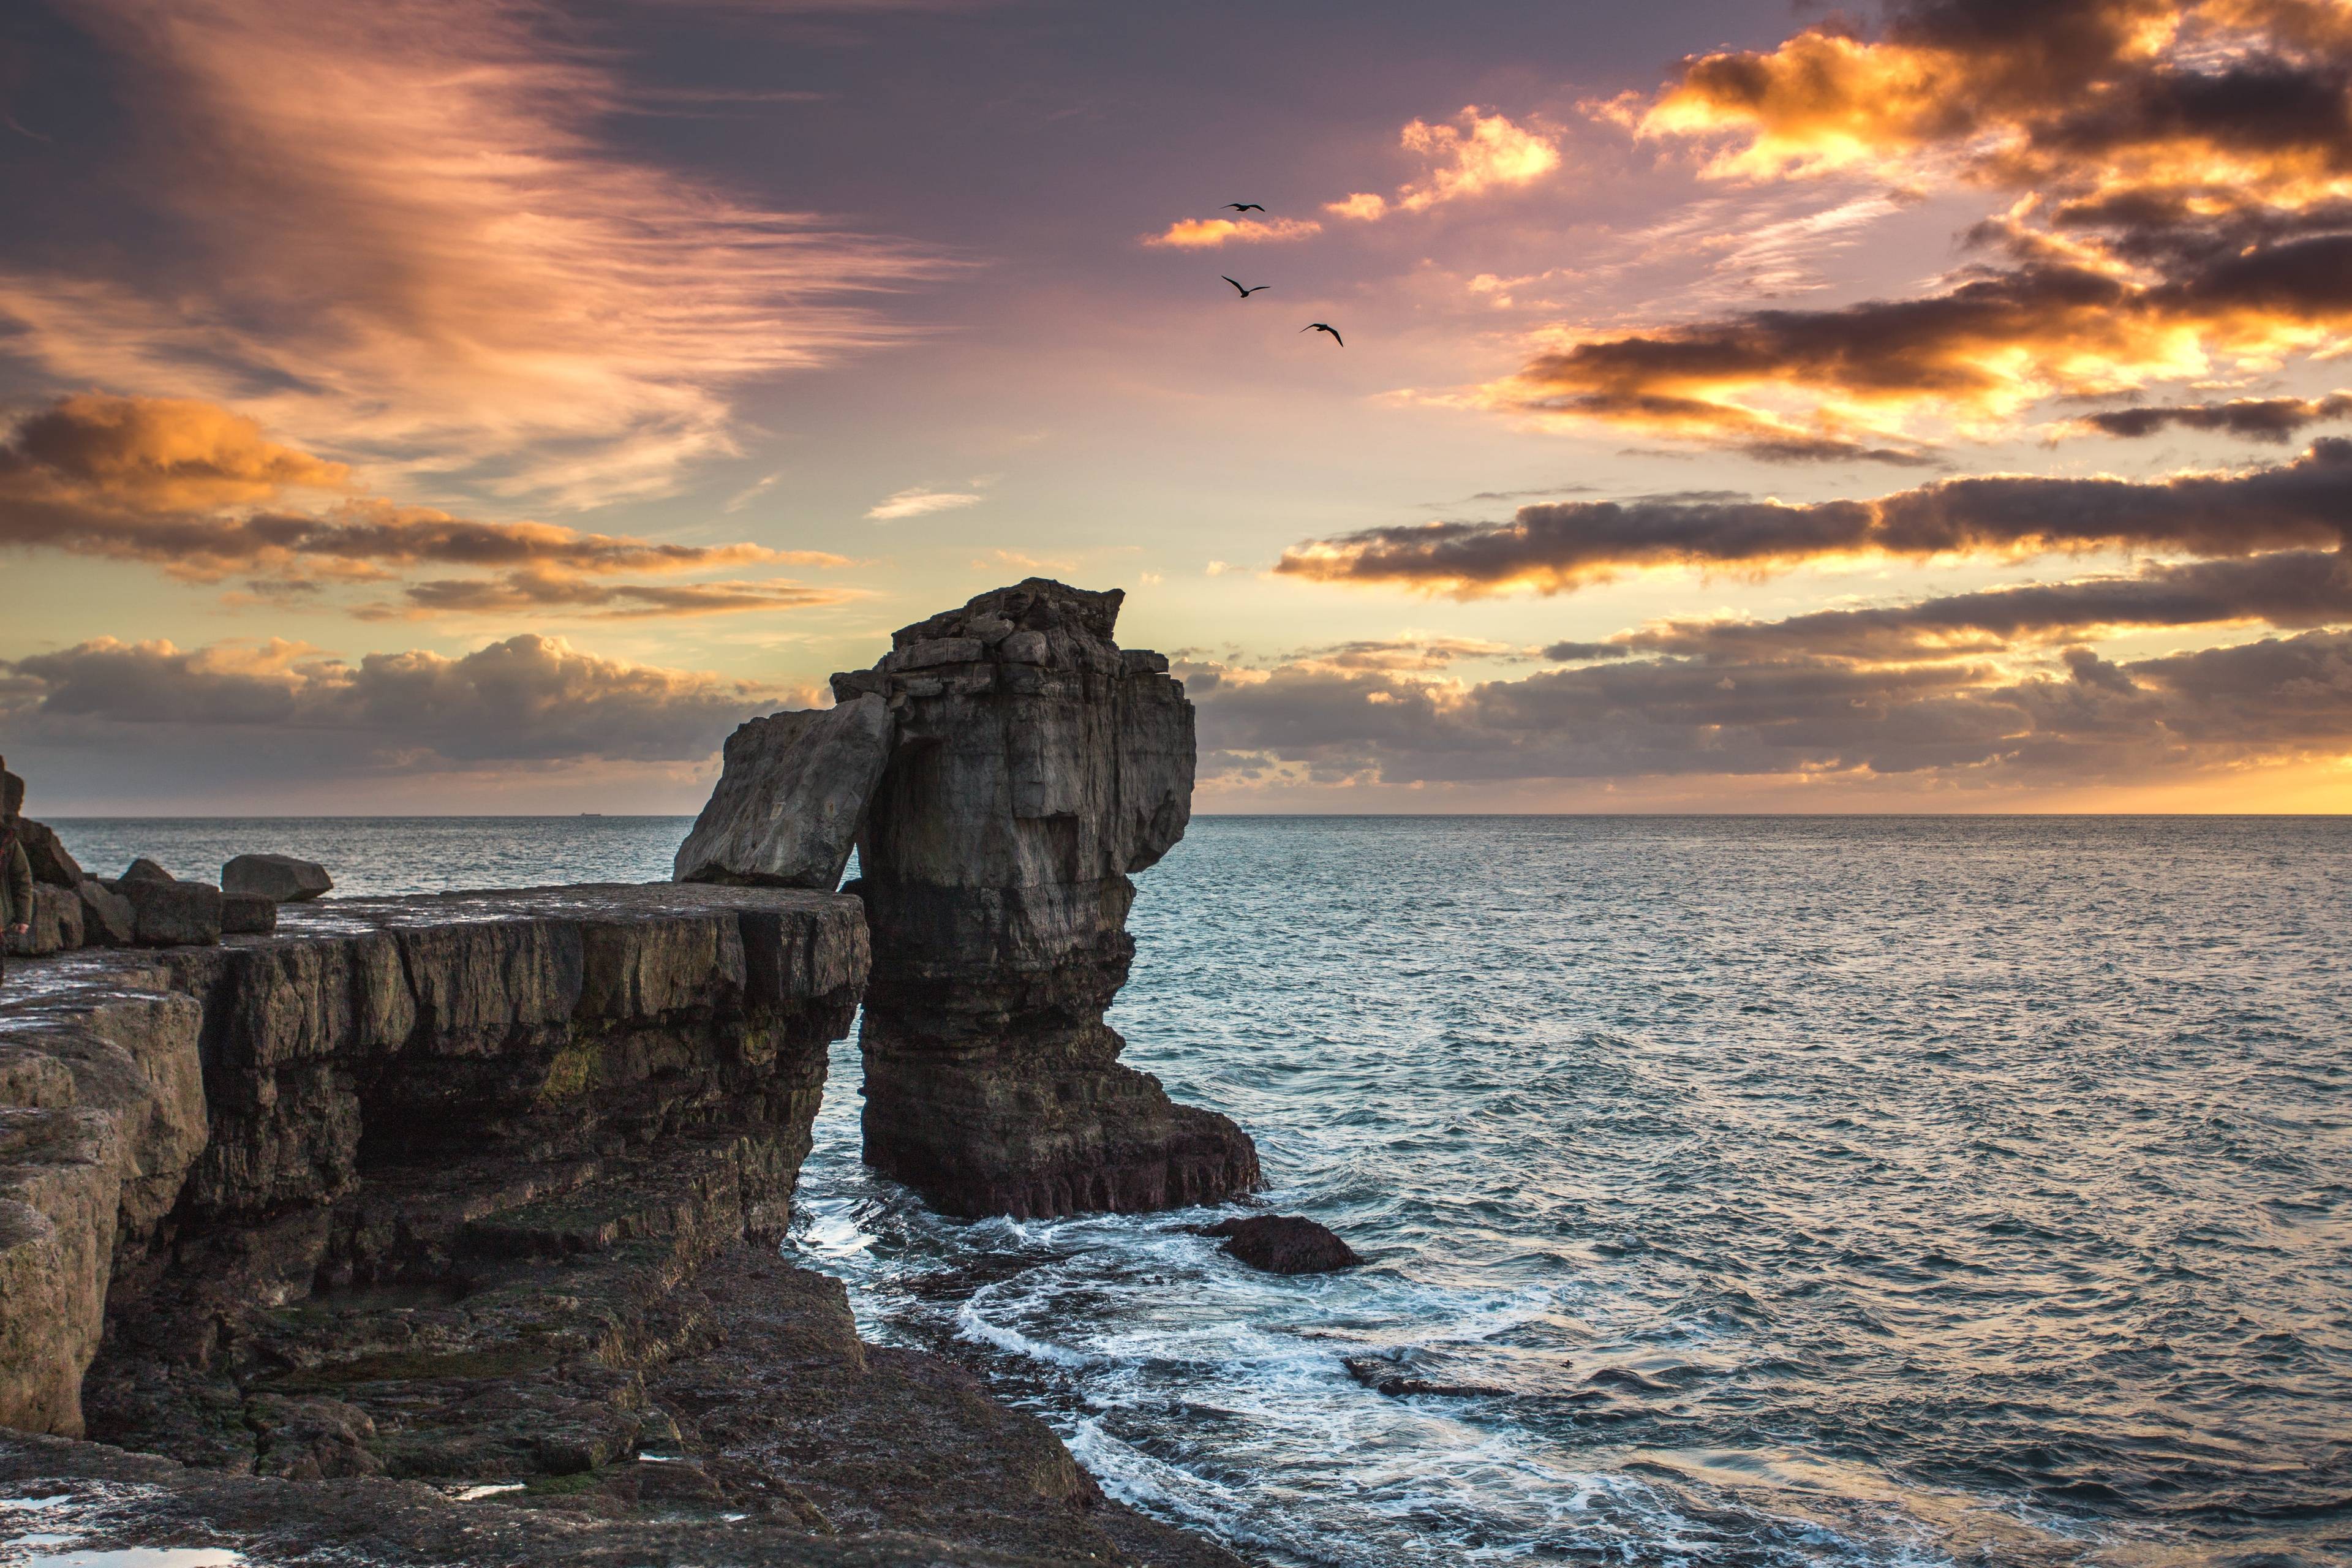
[[1033, 767]]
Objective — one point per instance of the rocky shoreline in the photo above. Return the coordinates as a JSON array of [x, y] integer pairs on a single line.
[[446, 1226], [476, 1193]]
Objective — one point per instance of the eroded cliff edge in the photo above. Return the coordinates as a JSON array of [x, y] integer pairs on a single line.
[[478, 1189]]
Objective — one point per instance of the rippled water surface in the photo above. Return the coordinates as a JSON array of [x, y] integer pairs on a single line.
[[1816, 1191]]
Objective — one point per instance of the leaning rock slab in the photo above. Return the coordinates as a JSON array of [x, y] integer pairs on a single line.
[[46, 854], [790, 798], [281, 879]]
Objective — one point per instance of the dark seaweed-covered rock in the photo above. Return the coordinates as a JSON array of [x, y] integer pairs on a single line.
[[1282, 1244], [1381, 1377]]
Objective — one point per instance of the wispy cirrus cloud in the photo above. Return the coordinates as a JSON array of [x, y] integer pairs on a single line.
[[459, 278], [919, 501]]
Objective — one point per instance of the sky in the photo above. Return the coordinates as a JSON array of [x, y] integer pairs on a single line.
[[483, 406]]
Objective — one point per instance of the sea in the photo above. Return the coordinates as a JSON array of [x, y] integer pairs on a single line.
[[1765, 1191]]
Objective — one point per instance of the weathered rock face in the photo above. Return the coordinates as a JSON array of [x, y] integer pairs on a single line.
[[790, 798], [1036, 766], [281, 879], [423, 1094]]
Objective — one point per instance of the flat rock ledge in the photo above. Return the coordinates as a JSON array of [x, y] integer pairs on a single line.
[[460, 1212]]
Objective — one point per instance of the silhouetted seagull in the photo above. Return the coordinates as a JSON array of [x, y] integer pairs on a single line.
[[1324, 327], [1245, 206], [1253, 288]]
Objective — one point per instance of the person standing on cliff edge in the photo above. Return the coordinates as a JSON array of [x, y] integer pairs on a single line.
[[16, 871]]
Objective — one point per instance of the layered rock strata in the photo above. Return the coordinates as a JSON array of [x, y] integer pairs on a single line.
[[1036, 766], [391, 1094]]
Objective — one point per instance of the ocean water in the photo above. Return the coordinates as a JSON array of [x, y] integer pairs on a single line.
[[1828, 1191]]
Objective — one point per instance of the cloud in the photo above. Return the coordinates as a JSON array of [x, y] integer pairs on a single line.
[[2256, 418], [1208, 232], [526, 698], [1478, 153], [2183, 213], [543, 590], [919, 501], [2294, 589], [1827, 720], [161, 481], [1555, 548], [392, 231]]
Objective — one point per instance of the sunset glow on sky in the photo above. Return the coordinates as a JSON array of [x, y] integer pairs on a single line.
[[465, 405]]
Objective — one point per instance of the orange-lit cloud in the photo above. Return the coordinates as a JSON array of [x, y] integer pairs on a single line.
[[1208, 232], [1481, 153], [2186, 216], [205, 495], [397, 232], [1557, 548]]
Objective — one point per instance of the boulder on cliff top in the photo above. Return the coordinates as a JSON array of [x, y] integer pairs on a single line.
[[281, 879], [172, 913], [1282, 1244], [790, 798], [248, 914]]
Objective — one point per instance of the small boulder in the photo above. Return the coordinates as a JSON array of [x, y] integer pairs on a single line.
[[281, 879], [107, 918], [143, 870], [55, 926], [174, 914], [790, 797], [47, 855], [248, 914], [1282, 1244]]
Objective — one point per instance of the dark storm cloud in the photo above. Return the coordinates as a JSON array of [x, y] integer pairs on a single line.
[[2303, 503]]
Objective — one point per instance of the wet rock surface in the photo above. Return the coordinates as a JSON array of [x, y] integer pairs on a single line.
[[1036, 766], [1282, 1244]]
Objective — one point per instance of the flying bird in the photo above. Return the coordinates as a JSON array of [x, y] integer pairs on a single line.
[[1245, 206], [1253, 288], [1324, 327]]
